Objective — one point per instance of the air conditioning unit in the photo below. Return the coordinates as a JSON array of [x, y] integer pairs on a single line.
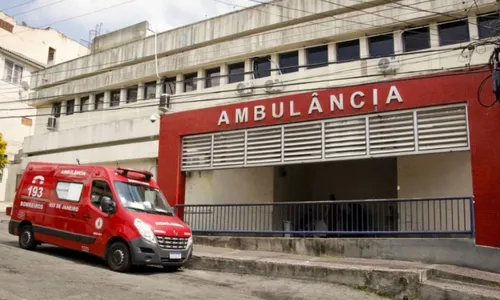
[[244, 88], [274, 85], [388, 64], [164, 104], [52, 123]]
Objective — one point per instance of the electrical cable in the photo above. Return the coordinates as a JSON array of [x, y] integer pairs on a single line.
[[36, 8], [418, 55], [480, 89], [449, 72], [15, 6]]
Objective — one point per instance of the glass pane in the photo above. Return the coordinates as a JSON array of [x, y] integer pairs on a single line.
[[487, 24], [212, 78], [84, 104], [317, 57], [453, 33], [261, 67], [8, 70], [18, 74], [289, 62], [190, 82], [416, 39], [236, 72], [347, 51], [132, 95], [381, 45]]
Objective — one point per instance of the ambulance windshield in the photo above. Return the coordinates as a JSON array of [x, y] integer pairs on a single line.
[[142, 198]]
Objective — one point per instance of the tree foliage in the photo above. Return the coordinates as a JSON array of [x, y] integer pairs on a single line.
[[3, 149]]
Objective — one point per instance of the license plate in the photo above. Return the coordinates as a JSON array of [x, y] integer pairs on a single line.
[[175, 256]]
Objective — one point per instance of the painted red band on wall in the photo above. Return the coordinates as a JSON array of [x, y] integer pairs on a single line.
[[484, 126]]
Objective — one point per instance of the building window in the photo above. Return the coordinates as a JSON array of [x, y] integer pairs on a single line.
[[317, 57], [261, 67], [453, 33], [84, 104], [236, 72], [52, 54], [347, 51], [150, 90], [289, 62], [132, 94], [99, 102], [416, 39], [56, 109], [212, 77], [486, 25], [115, 98], [70, 107], [12, 72], [170, 85], [190, 82], [381, 45]]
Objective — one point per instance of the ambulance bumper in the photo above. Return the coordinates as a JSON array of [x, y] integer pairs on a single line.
[[145, 253]]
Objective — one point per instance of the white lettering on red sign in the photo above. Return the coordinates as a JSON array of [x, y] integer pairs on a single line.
[[31, 205], [64, 207], [73, 172], [356, 100]]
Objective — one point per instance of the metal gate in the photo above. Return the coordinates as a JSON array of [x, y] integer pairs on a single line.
[[418, 131]]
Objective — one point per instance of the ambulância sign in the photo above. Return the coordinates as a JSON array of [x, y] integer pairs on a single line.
[[337, 102]]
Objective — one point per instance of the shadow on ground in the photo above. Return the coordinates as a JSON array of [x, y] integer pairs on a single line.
[[86, 259]]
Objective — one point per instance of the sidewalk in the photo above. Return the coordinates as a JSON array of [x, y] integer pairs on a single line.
[[396, 279]]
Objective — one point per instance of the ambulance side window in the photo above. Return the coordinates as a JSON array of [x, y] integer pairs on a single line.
[[99, 189]]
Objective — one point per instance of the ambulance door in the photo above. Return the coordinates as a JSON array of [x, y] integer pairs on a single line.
[[96, 221]]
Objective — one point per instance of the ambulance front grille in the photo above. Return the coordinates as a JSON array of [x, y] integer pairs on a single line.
[[172, 243]]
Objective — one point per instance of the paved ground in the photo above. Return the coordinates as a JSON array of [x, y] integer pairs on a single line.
[[54, 273]]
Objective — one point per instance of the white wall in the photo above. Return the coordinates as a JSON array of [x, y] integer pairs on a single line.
[[435, 176], [252, 185]]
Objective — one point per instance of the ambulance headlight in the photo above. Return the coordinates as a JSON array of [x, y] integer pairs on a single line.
[[190, 241], [145, 230]]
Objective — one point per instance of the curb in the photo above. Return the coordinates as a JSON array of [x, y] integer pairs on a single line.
[[384, 282]]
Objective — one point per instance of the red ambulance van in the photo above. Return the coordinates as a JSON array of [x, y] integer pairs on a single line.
[[117, 214]]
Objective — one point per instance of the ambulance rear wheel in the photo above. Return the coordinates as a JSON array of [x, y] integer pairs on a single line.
[[26, 238], [118, 257]]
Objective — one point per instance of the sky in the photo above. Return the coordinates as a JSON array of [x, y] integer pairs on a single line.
[[75, 18]]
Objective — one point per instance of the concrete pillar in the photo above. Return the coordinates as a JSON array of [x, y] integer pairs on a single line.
[[302, 59], [332, 52], [224, 70], [473, 28], [363, 47], [91, 102], [107, 99], [123, 96], [64, 104], [201, 80], [248, 69], [398, 41], [159, 89], [140, 91], [78, 101], [179, 84], [433, 32], [275, 65]]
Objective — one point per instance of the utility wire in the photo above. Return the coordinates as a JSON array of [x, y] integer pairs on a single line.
[[418, 55], [36, 8], [18, 5]]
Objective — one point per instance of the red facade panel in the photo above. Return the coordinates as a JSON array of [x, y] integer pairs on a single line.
[[416, 92]]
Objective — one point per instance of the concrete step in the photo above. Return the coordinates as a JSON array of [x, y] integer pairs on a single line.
[[445, 289], [390, 279], [466, 275]]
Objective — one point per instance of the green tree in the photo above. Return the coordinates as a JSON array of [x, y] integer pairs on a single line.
[[3, 156]]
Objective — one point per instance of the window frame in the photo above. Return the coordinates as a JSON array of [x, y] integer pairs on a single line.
[[83, 104], [112, 102], [127, 91], [109, 188], [385, 37], [96, 103], [70, 182], [68, 112], [412, 31], [237, 75], [448, 43], [191, 78], [349, 42], [172, 81], [56, 109], [479, 26], [317, 65], [12, 72], [146, 85], [287, 55], [209, 79]]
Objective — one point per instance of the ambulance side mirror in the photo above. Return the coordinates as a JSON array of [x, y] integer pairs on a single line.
[[108, 205]]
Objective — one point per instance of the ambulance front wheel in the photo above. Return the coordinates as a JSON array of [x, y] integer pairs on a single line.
[[118, 257], [26, 238]]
